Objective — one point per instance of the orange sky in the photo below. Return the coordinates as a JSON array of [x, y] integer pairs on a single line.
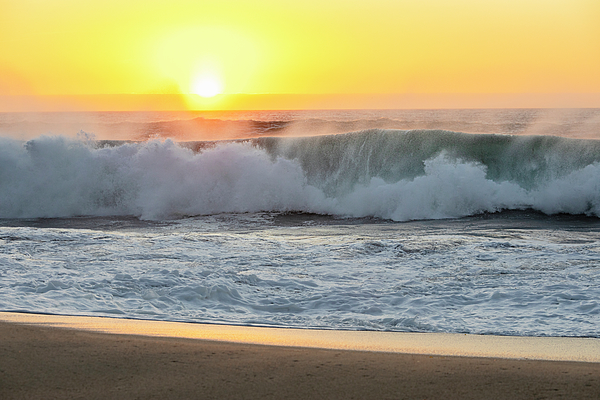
[[330, 50]]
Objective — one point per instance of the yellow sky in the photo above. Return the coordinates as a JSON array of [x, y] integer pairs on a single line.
[[74, 47]]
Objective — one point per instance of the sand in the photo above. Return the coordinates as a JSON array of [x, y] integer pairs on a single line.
[[45, 360]]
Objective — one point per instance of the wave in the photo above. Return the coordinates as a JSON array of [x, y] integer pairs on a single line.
[[390, 174]]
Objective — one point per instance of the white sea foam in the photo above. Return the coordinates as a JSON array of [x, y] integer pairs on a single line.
[[446, 276], [449, 188], [60, 177], [57, 177]]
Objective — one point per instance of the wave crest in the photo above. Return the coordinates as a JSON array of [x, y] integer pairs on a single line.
[[399, 175]]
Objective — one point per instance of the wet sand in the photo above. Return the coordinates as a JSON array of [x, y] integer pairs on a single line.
[[45, 361]]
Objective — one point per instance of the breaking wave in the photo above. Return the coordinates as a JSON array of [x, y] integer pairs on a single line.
[[391, 174]]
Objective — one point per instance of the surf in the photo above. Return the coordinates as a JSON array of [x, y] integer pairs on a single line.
[[384, 173]]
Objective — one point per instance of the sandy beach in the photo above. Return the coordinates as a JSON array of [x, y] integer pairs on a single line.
[[50, 361]]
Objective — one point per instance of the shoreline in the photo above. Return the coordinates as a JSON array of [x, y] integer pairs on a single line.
[[438, 344], [50, 360]]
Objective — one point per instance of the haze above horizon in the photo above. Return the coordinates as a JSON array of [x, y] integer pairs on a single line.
[[99, 55]]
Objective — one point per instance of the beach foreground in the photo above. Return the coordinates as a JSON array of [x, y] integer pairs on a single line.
[[39, 361]]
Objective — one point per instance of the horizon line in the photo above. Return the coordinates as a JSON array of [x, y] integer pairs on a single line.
[[291, 101]]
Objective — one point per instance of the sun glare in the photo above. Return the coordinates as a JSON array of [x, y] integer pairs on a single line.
[[206, 86]]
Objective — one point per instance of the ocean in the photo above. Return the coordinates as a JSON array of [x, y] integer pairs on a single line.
[[463, 221]]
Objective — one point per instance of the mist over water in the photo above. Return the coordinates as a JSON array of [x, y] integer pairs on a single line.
[[223, 125]]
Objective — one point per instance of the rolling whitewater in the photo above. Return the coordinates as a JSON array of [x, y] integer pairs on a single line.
[[471, 221]]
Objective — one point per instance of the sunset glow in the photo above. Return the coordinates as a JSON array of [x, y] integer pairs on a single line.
[[348, 49], [206, 86]]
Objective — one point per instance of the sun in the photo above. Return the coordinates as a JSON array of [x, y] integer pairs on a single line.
[[207, 86]]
